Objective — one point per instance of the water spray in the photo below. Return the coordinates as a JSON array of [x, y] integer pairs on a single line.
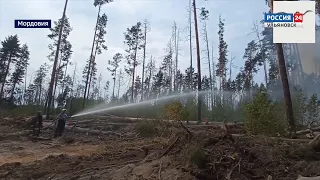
[[88, 112]]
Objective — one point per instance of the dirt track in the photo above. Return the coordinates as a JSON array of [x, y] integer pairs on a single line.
[[25, 152], [207, 154]]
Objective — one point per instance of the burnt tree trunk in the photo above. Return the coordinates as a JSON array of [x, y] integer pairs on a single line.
[[198, 58], [285, 84], [90, 61], [54, 68]]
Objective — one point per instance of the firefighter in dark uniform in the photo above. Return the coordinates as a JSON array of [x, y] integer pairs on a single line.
[[62, 118], [37, 123]]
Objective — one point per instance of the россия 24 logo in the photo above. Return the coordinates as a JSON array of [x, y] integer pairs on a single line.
[[297, 16], [283, 19]]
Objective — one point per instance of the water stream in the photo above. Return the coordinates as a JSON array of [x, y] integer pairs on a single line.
[[99, 109]]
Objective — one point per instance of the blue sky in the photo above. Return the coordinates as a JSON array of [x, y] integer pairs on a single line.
[[239, 16]]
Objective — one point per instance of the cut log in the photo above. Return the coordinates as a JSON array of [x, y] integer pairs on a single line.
[[273, 138], [83, 130], [308, 130], [90, 131], [134, 120], [102, 124], [308, 178]]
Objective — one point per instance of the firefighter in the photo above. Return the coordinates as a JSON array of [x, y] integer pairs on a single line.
[[36, 124], [62, 118]]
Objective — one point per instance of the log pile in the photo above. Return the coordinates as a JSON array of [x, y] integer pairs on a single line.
[[124, 121], [82, 130]]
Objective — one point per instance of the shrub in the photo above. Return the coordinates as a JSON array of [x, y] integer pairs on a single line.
[[260, 116], [176, 111], [146, 128], [299, 103], [312, 109]]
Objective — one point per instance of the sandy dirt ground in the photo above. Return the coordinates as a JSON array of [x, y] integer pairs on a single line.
[[170, 154]]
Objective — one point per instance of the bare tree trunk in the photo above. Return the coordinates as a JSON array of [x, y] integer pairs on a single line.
[[40, 91], [90, 79], [213, 77], [150, 74], [120, 77], [297, 54], [256, 30], [286, 88], [198, 58], [133, 72], [209, 63], [72, 87], [171, 65], [190, 41], [99, 87], [176, 36], [5, 77], [55, 84], [177, 61], [114, 83], [64, 76], [230, 77], [90, 61], [12, 91], [25, 85], [144, 57], [93, 59], [285, 85], [54, 68]]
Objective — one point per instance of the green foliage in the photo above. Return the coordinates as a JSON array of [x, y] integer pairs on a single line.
[[174, 110], [312, 108], [260, 116], [25, 110], [12, 53], [299, 102], [146, 128]]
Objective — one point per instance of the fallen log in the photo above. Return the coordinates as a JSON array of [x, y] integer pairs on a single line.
[[107, 123], [103, 124], [308, 130], [169, 148], [267, 137], [308, 178], [91, 131], [83, 130], [134, 120], [83, 121]]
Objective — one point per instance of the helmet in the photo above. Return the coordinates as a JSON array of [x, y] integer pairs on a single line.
[[64, 110]]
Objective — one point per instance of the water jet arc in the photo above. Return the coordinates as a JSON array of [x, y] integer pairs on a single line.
[[92, 111]]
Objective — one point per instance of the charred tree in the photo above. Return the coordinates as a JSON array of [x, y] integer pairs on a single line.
[[54, 68], [198, 59], [285, 84]]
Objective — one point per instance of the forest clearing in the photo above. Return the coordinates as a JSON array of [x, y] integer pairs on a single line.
[[152, 150], [207, 120]]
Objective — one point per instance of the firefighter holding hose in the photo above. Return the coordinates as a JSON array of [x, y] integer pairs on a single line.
[[62, 118], [36, 124]]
